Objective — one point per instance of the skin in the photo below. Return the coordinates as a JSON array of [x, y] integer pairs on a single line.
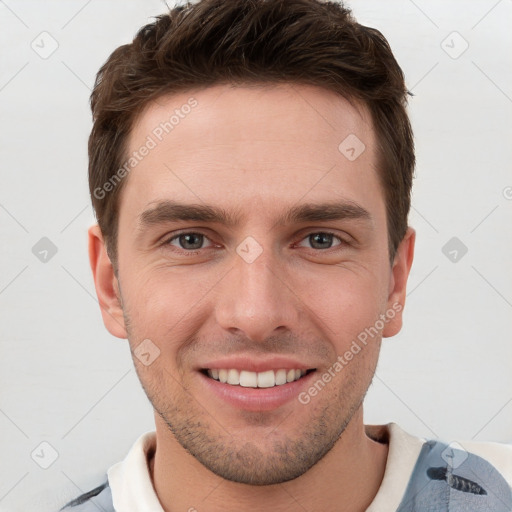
[[255, 151]]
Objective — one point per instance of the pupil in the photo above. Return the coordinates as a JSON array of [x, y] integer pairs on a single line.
[[321, 239], [186, 244]]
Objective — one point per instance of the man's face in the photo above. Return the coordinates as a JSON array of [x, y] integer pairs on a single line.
[[266, 291]]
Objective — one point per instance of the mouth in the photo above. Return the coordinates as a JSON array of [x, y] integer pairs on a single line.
[[249, 379], [266, 390], [251, 383]]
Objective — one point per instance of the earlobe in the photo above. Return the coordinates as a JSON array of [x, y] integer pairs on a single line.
[[106, 284], [398, 283]]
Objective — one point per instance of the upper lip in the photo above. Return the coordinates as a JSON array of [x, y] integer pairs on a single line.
[[252, 364]]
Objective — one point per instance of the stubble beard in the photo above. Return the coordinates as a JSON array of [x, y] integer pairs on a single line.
[[218, 447]]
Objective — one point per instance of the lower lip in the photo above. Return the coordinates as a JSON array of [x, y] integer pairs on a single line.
[[257, 399]]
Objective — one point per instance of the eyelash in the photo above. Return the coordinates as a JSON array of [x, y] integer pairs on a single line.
[[176, 236]]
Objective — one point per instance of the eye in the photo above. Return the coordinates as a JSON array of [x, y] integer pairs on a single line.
[[188, 241], [322, 240]]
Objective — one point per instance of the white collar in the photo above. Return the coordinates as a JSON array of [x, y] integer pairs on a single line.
[[403, 453], [133, 491], [130, 481]]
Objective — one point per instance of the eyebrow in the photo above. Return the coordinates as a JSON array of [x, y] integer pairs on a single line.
[[173, 211]]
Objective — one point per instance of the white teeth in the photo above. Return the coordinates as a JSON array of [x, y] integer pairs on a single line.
[[244, 378], [233, 377], [248, 379], [280, 377], [266, 379]]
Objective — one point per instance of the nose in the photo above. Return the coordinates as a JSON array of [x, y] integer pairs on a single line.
[[256, 298]]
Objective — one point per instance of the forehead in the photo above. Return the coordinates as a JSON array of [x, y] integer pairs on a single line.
[[274, 111], [251, 145]]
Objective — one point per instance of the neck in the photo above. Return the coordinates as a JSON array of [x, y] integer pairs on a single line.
[[345, 480]]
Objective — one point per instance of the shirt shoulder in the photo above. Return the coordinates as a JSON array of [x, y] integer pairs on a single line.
[[426, 475], [459, 477], [99, 498]]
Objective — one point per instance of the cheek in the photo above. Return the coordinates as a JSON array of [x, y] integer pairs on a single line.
[[345, 303], [161, 302]]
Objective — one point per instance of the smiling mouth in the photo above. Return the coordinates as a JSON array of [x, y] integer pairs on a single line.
[[247, 379]]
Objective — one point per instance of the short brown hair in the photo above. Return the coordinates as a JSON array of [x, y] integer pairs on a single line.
[[311, 42]]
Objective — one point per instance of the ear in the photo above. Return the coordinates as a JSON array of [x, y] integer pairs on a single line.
[[398, 282], [106, 283]]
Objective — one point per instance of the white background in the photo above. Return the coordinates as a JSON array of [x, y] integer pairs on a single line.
[[65, 381]]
